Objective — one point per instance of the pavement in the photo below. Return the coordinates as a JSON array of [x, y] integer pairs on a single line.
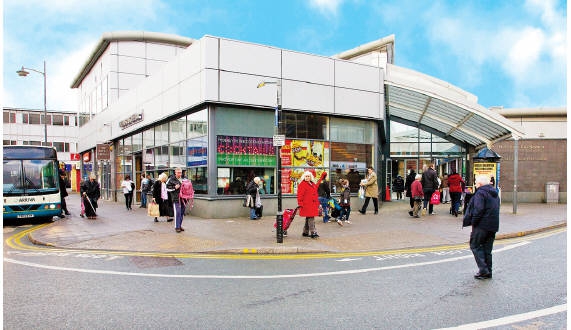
[[118, 229]]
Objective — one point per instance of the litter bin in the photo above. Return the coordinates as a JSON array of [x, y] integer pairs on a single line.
[[552, 192]]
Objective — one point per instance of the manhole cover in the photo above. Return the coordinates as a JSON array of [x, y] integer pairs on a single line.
[[155, 262]]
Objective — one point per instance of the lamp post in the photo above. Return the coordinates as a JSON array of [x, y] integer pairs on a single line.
[[279, 141], [22, 73]]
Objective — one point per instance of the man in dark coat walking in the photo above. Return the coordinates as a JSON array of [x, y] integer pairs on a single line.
[[483, 214]]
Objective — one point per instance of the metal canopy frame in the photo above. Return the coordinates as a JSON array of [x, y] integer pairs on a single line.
[[435, 106]]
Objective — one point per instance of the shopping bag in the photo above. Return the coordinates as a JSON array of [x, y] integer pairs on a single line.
[[435, 198], [153, 210], [362, 193]]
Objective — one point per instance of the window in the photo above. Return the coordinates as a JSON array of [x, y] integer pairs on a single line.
[[61, 146], [9, 117], [57, 120], [305, 126], [47, 119], [35, 119], [25, 118]]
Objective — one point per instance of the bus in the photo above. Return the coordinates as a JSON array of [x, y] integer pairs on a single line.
[[31, 183]]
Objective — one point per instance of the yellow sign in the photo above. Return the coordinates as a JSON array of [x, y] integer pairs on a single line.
[[488, 169]]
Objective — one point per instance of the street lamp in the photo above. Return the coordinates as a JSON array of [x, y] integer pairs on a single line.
[[22, 73], [279, 141]]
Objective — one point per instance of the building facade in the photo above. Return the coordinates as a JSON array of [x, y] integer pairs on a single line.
[[201, 110]]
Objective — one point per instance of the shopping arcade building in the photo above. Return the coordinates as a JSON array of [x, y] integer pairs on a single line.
[[201, 111]]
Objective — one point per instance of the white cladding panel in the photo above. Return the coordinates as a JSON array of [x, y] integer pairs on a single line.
[[242, 89], [209, 48], [358, 103], [131, 48], [249, 58], [160, 51], [310, 68], [189, 61], [191, 90], [357, 76], [170, 74], [131, 64], [306, 96], [171, 100]]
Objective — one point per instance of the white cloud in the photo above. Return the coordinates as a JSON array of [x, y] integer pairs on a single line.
[[326, 7]]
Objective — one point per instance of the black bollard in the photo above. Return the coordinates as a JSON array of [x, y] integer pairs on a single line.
[[280, 227]]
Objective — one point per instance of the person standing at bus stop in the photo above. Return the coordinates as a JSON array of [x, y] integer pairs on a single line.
[[63, 194]]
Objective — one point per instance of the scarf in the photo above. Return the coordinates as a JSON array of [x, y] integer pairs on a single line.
[[164, 194]]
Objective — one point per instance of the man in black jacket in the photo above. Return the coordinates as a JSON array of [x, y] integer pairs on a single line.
[[324, 195], [173, 188], [429, 185], [483, 214]]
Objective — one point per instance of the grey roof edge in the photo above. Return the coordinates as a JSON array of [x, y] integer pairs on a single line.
[[436, 88], [107, 37], [365, 48]]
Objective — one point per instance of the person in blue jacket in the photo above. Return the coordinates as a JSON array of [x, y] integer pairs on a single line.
[[483, 214]]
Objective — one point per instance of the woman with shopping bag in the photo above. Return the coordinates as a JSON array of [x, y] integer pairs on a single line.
[[371, 190]]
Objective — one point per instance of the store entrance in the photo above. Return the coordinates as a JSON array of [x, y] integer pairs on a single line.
[[232, 181]]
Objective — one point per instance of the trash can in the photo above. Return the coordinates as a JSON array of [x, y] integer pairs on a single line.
[[552, 192]]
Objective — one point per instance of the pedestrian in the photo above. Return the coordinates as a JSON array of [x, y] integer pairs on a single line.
[[90, 192], [417, 195], [429, 185], [308, 202], [445, 189], [483, 214], [161, 197], [345, 203], [371, 190], [398, 186], [128, 187], [324, 196], [253, 190], [455, 184], [63, 194], [409, 180], [145, 187], [173, 187]]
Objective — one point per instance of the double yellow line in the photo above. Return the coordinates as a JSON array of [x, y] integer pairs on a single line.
[[15, 242]]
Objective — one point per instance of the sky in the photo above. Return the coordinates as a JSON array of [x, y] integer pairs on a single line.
[[509, 53]]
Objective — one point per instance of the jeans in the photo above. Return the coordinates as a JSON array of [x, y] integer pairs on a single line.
[[345, 213], [427, 194], [324, 204], [445, 195], [179, 209], [455, 196], [143, 199], [253, 213], [481, 244]]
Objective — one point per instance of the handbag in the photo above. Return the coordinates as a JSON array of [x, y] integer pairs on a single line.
[[248, 202], [435, 198], [153, 210]]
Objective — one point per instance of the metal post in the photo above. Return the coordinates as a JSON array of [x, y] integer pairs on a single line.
[[45, 109], [514, 202], [279, 215]]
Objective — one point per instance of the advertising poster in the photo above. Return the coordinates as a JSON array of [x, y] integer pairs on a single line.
[[245, 151], [304, 153], [291, 177], [488, 169]]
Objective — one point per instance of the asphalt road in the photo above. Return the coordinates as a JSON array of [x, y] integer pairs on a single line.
[[46, 288]]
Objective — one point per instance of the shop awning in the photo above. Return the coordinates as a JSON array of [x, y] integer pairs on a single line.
[[435, 106]]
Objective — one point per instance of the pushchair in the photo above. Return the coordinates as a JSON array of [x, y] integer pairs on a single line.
[[335, 208]]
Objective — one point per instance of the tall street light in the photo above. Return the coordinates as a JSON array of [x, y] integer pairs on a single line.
[[279, 141], [22, 73]]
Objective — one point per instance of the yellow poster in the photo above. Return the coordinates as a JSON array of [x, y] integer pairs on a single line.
[[488, 169]]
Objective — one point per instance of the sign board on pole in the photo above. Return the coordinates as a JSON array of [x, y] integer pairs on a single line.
[[103, 152], [279, 140]]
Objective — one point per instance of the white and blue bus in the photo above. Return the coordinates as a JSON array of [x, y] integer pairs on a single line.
[[31, 183]]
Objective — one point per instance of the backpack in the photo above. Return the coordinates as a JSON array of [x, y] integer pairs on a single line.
[[132, 186], [186, 191]]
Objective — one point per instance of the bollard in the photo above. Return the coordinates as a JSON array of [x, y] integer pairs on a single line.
[[280, 227]]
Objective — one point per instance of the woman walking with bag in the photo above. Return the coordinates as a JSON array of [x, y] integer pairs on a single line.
[[254, 201], [161, 197]]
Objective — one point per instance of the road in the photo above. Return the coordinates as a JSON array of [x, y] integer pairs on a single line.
[[430, 288]]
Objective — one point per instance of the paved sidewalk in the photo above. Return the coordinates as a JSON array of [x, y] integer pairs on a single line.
[[119, 229]]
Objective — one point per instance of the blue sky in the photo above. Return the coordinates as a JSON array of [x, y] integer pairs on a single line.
[[508, 53]]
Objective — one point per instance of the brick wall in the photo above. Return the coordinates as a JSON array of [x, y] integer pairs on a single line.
[[539, 162]]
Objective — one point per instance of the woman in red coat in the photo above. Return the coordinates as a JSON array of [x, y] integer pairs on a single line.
[[308, 201], [455, 185]]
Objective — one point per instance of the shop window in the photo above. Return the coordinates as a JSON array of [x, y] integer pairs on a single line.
[[178, 130], [349, 161], [198, 176], [305, 126], [351, 130], [162, 134]]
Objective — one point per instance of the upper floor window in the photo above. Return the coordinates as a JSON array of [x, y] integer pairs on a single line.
[[9, 117]]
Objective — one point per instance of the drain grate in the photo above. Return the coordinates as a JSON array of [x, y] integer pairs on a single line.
[[155, 262]]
